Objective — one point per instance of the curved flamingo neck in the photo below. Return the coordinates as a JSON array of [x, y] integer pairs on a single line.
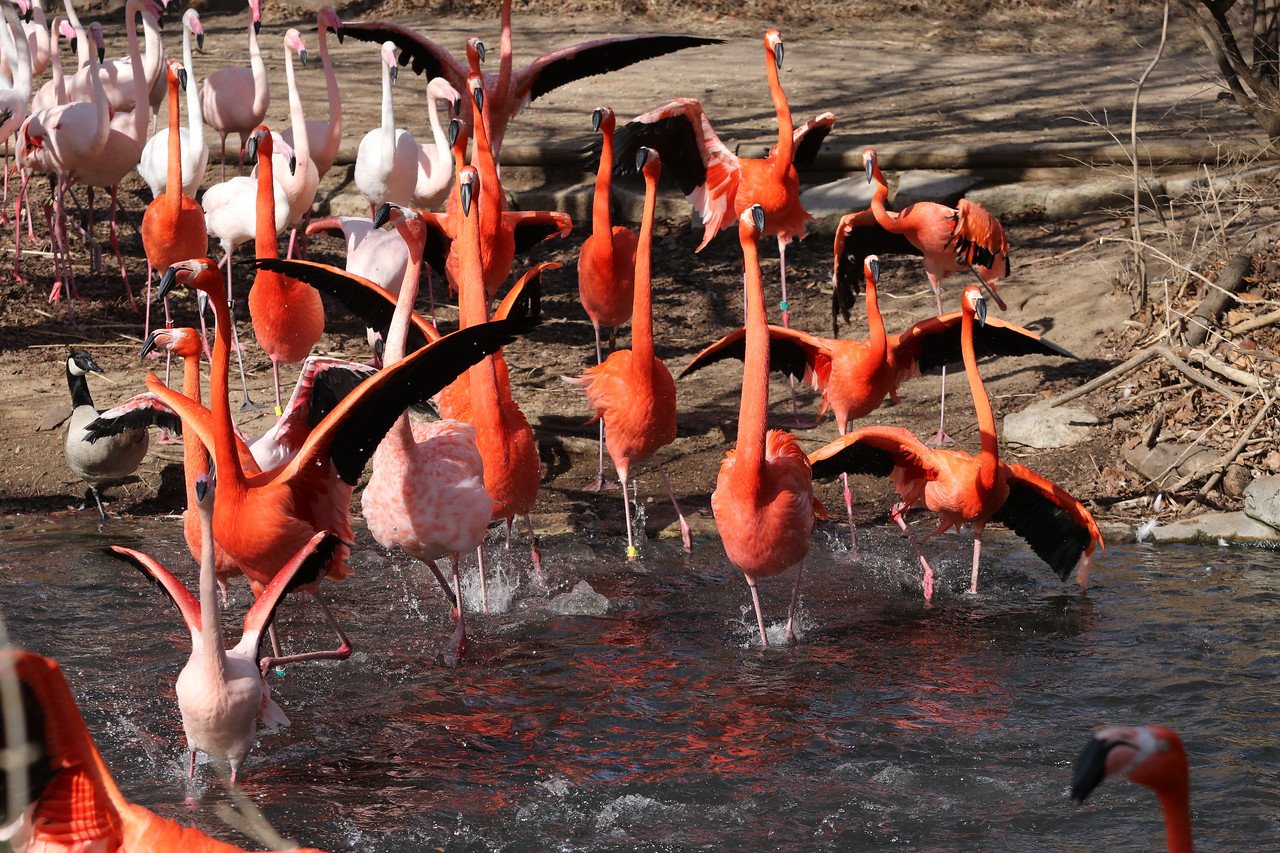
[[437, 130], [141, 95], [601, 220], [225, 457], [504, 52], [642, 296], [153, 61], [490, 184], [473, 307], [55, 61], [211, 648], [194, 462], [1177, 818], [786, 145], [388, 115], [989, 455], [297, 120], [397, 335], [875, 325], [195, 116], [264, 236], [753, 413], [331, 86], [18, 51], [99, 97], [261, 86], [884, 217], [173, 179]]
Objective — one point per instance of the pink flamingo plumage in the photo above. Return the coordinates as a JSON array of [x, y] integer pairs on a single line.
[[1151, 756], [118, 74], [324, 135], [235, 100], [386, 167], [763, 502], [964, 489], [154, 165], [295, 170], [632, 391], [435, 158]]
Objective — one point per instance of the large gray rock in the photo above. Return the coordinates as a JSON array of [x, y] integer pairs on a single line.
[[1153, 462], [1011, 199], [837, 198], [1095, 194], [921, 185], [1262, 500], [1214, 527], [1043, 427]]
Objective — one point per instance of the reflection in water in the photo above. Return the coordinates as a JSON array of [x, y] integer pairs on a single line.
[[891, 726]]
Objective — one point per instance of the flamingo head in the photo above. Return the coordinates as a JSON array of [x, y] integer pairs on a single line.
[[752, 220], [475, 85], [974, 303], [99, 43], [191, 21], [603, 117], [154, 10], [468, 187], [327, 19], [870, 164], [389, 57], [649, 163], [182, 342], [393, 213], [24, 9], [1152, 756], [871, 269], [80, 362], [61, 27], [455, 131], [773, 45], [255, 13], [293, 41], [475, 53], [258, 144], [197, 273], [440, 89], [177, 73]]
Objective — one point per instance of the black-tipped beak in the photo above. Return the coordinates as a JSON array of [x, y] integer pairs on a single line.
[[102, 54], [202, 487], [150, 344], [757, 217], [457, 106], [200, 42], [777, 55], [382, 216], [379, 347], [478, 96], [182, 78], [455, 129], [302, 54], [73, 41], [27, 15], [339, 34], [642, 157], [257, 27], [465, 192], [596, 117], [293, 165], [874, 266], [395, 72], [168, 282], [980, 310], [870, 169], [1090, 769], [251, 150], [480, 49]]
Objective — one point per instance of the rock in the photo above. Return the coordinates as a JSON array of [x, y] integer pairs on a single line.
[[920, 185], [1272, 461], [1262, 500], [54, 416], [582, 600], [1235, 480], [1184, 183], [1152, 462], [1011, 199], [352, 203], [837, 198], [1043, 427], [1212, 527]]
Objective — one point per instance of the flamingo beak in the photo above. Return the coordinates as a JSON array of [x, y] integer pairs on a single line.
[[478, 95], [874, 266], [757, 217], [182, 78], [202, 487], [642, 157], [383, 215], [777, 55], [257, 27], [455, 129], [1090, 769], [151, 343], [72, 41], [869, 167], [102, 54], [395, 72], [465, 192], [338, 32], [293, 165], [202, 302], [480, 49], [302, 54], [457, 106], [200, 42], [980, 310], [168, 282], [251, 149], [379, 347], [596, 117]]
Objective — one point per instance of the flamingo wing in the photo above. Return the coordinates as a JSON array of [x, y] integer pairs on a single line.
[[1057, 526], [428, 57], [857, 236], [163, 578], [43, 768], [934, 343], [305, 567], [322, 383], [791, 352], [979, 237], [531, 227], [362, 297], [440, 234], [531, 281], [875, 450], [599, 56], [353, 430], [197, 418], [808, 139], [141, 411]]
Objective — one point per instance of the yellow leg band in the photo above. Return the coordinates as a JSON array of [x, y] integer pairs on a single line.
[[632, 552]]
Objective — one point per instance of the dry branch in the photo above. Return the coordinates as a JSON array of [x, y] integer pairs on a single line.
[[1215, 301]]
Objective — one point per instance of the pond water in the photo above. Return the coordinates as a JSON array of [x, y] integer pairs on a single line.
[[661, 724]]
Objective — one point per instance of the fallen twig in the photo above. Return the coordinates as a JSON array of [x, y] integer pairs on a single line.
[[1216, 301], [1227, 458], [1261, 321], [1112, 375], [1220, 367], [1193, 374]]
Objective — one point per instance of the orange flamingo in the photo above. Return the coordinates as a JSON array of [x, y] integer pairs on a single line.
[[606, 261], [288, 317], [1152, 756], [73, 801], [964, 489], [632, 391], [854, 377], [509, 90], [763, 502], [173, 225], [261, 520], [951, 240], [718, 183], [222, 693]]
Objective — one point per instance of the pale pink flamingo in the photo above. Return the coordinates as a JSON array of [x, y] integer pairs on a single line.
[[222, 693], [15, 93], [435, 160], [386, 167], [153, 167], [35, 26], [54, 90], [324, 135], [377, 254], [117, 74], [510, 91], [294, 169], [235, 100]]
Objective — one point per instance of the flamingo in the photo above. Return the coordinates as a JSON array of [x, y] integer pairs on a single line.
[[606, 261], [288, 317], [154, 165], [951, 240], [222, 693], [323, 136], [717, 182], [386, 167], [1152, 756], [235, 100], [35, 26], [763, 502], [379, 255], [854, 377], [261, 520], [234, 210], [296, 170], [15, 92], [118, 74], [435, 161], [72, 802], [510, 91], [173, 226], [96, 462], [632, 391], [54, 91], [426, 494], [965, 489]]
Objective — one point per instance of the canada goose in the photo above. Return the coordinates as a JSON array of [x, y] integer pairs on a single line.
[[110, 458]]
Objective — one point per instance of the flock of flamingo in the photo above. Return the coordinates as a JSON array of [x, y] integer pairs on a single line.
[[277, 509]]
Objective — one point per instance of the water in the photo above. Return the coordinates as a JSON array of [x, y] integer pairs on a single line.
[[661, 725]]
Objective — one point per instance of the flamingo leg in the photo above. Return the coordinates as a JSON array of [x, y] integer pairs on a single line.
[[191, 764], [247, 404], [940, 439], [222, 141], [898, 512], [685, 537], [17, 228], [755, 601], [534, 554], [431, 294], [599, 484], [785, 306], [633, 553], [444, 584], [115, 247], [342, 652], [484, 589], [293, 236], [977, 555], [275, 378], [460, 629], [791, 609], [848, 506]]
